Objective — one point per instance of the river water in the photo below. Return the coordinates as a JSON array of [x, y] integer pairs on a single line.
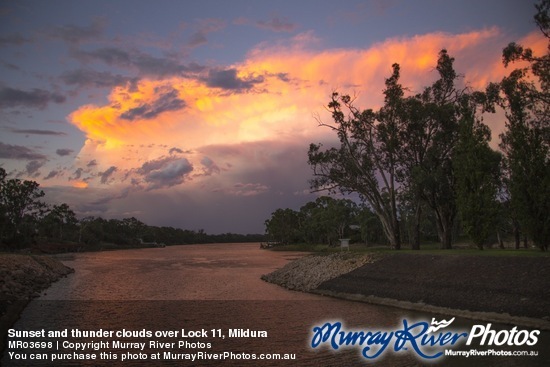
[[215, 288]]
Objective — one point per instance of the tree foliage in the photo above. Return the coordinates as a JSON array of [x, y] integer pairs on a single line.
[[477, 171], [324, 221], [21, 208], [403, 150], [366, 162], [525, 97]]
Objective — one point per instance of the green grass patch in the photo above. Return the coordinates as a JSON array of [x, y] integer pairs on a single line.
[[425, 249]]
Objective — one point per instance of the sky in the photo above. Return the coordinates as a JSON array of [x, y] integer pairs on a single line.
[[199, 114]]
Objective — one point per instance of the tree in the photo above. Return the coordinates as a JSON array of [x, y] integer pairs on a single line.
[[477, 172], [327, 219], [58, 219], [283, 226], [21, 207], [3, 209], [366, 162], [433, 179], [525, 97], [415, 137], [370, 226]]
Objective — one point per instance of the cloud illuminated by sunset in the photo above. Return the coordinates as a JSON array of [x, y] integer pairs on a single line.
[[182, 114], [272, 95]]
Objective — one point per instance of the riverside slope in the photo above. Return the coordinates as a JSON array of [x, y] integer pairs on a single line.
[[23, 277], [491, 288]]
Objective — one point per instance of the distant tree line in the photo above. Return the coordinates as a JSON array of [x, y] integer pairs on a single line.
[[324, 221], [426, 157], [26, 221]]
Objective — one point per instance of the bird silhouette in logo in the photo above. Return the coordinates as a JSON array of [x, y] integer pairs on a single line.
[[439, 325]]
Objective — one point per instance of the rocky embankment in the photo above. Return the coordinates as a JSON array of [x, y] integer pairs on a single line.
[[495, 288], [307, 273], [23, 277]]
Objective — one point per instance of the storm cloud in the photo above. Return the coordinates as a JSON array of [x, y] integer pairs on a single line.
[[52, 174], [145, 64], [33, 167], [107, 174], [228, 79], [64, 152], [209, 166], [75, 34], [37, 132], [35, 98], [277, 24], [9, 151], [167, 101], [165, 171], [88, 77]]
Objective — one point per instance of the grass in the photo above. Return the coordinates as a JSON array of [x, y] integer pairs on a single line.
[[461, 248]]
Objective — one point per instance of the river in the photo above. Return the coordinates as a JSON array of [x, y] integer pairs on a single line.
[[210, 288]]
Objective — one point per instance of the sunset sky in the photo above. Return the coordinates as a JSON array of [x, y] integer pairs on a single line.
[[199, 114]]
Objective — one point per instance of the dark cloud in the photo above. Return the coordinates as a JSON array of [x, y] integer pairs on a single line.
[[168, 100], [8, 151], [283, 77], [228, 79], [109, 55], [112, 197], [165, 171], [52, 174], [197, 39], [145, 64], [248, 189], [171, 174], [107, 174], [36, 98], [37, 132], [33, 167], [155, 165], [209, 166], [64, 152], [205, 26], [175, 150], [13, 40], [76, 34], [92, 163], [78, 173], [277, 24], [87, 77]]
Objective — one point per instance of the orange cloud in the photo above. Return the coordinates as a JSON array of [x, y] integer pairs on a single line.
[[291, 84], [79, 184]]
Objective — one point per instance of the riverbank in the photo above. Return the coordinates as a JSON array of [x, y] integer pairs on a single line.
[[23, 277], [497, 289]]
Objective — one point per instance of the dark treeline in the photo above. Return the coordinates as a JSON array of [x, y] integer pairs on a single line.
[[325, 221], [26, 221], [426, 157]]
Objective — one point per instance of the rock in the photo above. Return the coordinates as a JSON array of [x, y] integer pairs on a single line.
[[22, 277], [308, 272]]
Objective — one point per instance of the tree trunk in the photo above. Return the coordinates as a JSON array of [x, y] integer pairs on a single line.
[[447, 238], [397, 233], [517, 237], [444, 231], [391, 230], [500, 242], [415, 240]]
